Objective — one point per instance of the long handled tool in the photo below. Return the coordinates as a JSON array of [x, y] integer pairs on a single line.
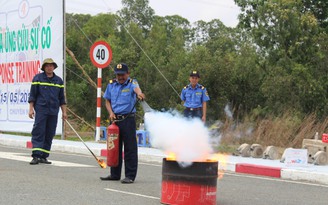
[[101, 162]]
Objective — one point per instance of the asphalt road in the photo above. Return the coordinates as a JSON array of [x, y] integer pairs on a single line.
[[74, 179]]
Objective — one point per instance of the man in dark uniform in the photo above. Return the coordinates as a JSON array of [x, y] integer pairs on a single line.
[[194, 97], [121, 96], [46, 96]]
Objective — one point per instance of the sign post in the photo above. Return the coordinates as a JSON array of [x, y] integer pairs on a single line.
[[100, 55]]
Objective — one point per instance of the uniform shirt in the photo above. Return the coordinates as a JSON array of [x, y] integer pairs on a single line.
[[47, 93], [194, 97], [122, 96]]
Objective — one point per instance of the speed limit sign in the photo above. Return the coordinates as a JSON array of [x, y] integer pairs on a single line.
[[100, 54]]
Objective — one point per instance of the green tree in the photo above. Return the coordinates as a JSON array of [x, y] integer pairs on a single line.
[[164, 56], [137, 11], [320, 10], [279, 28], [286, 33]]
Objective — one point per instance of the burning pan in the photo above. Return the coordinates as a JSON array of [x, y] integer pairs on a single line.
[[195, 184]]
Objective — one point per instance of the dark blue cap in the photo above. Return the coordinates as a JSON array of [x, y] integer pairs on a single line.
[[121, 68], [195, 73]]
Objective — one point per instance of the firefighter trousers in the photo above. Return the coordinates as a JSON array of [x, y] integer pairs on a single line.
[[44, 129]]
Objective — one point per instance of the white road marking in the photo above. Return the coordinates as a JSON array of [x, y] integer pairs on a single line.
[[275, 179], [134, 194], [19, 157]]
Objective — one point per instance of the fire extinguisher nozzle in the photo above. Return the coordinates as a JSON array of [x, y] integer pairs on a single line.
[[102, 163]]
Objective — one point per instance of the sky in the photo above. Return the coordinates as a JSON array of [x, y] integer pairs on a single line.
[[193, 10]]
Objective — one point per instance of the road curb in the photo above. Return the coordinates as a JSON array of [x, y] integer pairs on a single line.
[[29, 144], [314, 174], [296, 175], [13, 142], [258, 170]]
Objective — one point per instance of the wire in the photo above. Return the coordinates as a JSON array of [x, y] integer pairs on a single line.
[[81, 29], [150, 59], [136, 44], [79, 76]]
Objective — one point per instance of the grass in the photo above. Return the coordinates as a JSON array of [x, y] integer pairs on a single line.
[[16, 133], [75, 138], [285, 131], [225, 148]]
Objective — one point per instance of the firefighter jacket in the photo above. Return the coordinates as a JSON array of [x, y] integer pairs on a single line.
[[47, 94]]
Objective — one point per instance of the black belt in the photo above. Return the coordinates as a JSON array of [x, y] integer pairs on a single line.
[[191, 109], [120, 117]]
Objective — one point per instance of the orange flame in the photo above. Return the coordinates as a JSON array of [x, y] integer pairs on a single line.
[[102, 163], [171, 156], [222, 158]]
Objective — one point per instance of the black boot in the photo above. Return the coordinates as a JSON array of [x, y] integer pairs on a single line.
[[44, 161], [109, 178], [34, 161]]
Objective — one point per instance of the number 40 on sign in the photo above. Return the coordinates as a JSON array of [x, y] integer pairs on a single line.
[[100, 54]]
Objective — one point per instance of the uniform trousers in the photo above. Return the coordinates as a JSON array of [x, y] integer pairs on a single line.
[[193, 113], [127, 139]]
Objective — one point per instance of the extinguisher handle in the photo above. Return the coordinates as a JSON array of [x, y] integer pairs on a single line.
[[113, 121]]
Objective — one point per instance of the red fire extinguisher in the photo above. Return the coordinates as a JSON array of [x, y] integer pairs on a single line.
[[113, 134]]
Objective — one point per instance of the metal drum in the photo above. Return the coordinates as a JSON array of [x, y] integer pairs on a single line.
[[195, 184]]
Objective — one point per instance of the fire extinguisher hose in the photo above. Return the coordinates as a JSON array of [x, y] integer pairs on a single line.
[[116, 120]]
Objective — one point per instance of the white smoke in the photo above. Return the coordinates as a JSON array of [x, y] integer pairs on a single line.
[[215, 133], [228, 111], [188, 139]]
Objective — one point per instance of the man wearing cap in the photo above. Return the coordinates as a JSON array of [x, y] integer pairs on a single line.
[[46, 96], [121, 96], [194, 97]]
